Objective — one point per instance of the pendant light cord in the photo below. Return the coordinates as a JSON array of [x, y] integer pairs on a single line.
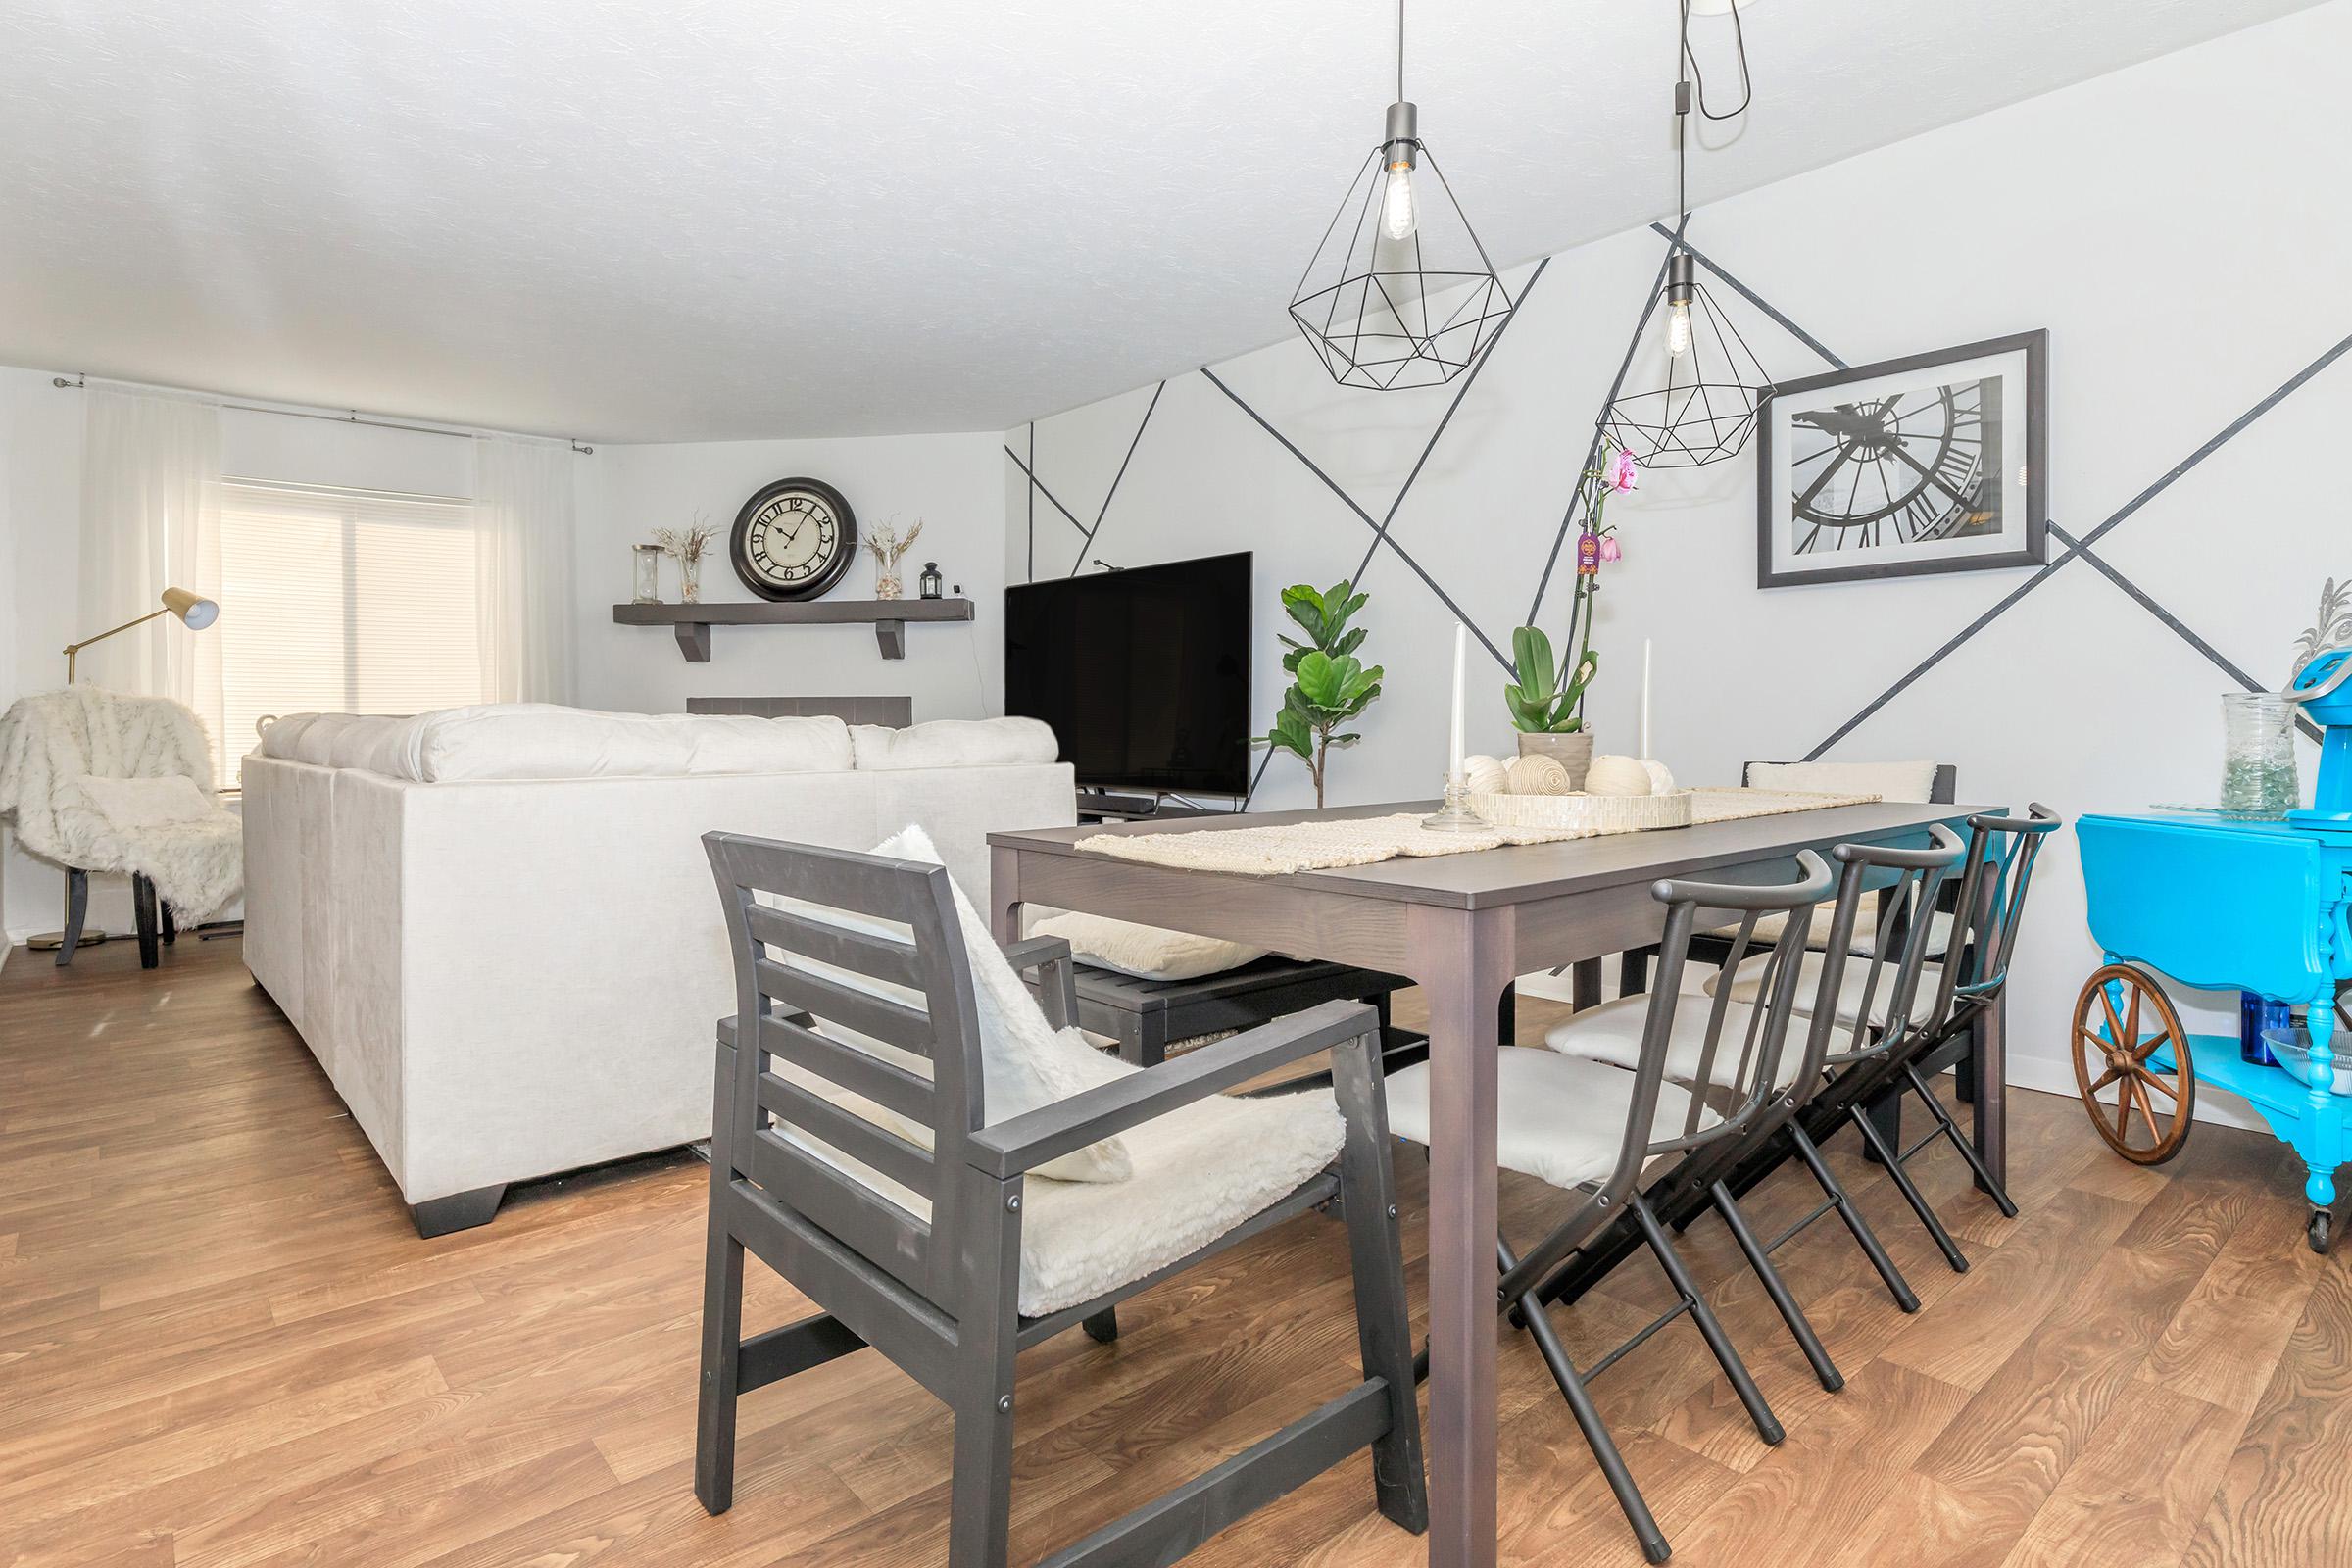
[[1686, 76], [1401, 51]]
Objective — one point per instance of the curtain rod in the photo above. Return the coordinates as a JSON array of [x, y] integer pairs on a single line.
[[351, 416]]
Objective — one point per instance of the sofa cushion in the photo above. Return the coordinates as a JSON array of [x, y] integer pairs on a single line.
[[1888, 781], [955, 743], [542, 741]]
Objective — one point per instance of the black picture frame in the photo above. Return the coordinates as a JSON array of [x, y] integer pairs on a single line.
[[2033, 546]]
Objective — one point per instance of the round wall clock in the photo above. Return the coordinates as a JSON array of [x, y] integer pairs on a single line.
[[793, 539], [1899, 468]]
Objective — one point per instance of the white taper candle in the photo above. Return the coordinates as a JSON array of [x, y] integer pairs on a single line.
[[1645, 753], [1454, 750]]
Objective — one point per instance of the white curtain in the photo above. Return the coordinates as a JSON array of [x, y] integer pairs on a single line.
[[150, 520], [522, 505]]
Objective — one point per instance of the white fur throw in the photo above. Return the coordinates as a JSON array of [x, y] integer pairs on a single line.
[[51, 743]]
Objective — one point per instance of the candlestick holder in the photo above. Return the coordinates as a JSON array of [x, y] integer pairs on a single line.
[[1456, 815]]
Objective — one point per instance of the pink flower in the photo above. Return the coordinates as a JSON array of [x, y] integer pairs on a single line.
[[1610, 550], [1623, 474]]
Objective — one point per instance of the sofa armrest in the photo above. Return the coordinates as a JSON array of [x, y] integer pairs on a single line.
[[1020, 1145]]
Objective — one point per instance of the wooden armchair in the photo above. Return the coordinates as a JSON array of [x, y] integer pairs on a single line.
[[851, 1153]]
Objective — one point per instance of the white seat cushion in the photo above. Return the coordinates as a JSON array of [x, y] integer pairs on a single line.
[[1198, 1172], [1748, 983], [1612, 1033], [1866, 929], [1146, 951], [1562, 1118], [544, 741], [1888, 781]]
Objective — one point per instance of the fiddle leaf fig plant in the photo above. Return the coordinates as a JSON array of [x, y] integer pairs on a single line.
[[1541, 703], [1329, 687]]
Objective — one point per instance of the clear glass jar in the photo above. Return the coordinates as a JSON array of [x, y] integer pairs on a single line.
[[648, 575], [2259, 777]]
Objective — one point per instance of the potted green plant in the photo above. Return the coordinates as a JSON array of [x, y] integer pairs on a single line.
[[1329, 686], [1546, 702], [1545, 708]]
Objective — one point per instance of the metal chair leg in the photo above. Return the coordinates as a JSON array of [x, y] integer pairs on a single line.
[[1959, 1140], [1588, 1422], [142, 906], [1727, 1355], [77, 910], [1864, 1236], [1799, 1327], [1891, 1159]]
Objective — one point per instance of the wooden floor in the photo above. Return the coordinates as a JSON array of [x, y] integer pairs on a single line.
[[222, 1344]]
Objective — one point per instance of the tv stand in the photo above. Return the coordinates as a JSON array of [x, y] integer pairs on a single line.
[[1101, 806]]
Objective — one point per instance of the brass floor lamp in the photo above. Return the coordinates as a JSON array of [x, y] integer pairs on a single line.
[[193, 611]]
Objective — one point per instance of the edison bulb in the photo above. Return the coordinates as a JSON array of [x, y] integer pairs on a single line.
[[1677, 330], [1397, 217]]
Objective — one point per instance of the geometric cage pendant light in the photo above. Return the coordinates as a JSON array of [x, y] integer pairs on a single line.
[[1400, 293], [1706, 409]]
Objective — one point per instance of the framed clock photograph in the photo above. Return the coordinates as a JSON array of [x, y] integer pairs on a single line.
[[1936, 463], [793, 539]]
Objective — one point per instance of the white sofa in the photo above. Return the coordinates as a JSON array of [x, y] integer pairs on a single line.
[[496, 929]]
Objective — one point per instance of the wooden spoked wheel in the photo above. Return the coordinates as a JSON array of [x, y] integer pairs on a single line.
[[2140, 1105]]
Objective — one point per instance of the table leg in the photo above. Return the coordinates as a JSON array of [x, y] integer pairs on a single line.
[[1470, 966], [1004, 894], [1988, 1068], [1583, 984]]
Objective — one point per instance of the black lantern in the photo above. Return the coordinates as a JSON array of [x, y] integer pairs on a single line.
[[928, 583], [1400, 293]]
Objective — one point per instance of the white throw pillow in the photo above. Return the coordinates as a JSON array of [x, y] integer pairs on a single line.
[[1026, 1063], [1888, 781], [1146, 951], [136, 802]]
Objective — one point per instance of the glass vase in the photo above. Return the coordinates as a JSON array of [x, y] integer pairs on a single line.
[[2259, 777], [645, 574], [887, 584], [690, 579]]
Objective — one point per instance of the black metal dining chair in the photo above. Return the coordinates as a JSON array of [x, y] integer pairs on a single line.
[[852, 1153], [1595, 1130]]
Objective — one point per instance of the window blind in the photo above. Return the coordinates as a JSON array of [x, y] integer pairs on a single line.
[[342, 600]]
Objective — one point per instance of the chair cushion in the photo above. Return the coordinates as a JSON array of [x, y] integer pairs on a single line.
[[1562, 1117], [1146, 951], [955, 743], [1748, 983], [1198, 1172], [1612, 1033], [1889, 781], [1866, 929]]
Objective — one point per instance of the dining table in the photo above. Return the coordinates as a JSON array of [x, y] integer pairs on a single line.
[[1463, 927]]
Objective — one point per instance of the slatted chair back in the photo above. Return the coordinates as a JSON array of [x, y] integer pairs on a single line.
[[858, 1074], [1993, 881], [1741, 1050], [1864, 1006]]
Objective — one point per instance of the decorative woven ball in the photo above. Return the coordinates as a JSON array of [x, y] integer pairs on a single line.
[[1484, 775], [1537, 774], [1617, 775], [1661, 782]]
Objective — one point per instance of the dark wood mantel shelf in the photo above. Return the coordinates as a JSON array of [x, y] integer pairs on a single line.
[[889, 616]]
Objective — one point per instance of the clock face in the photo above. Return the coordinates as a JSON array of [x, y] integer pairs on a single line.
[[1894, 470], [793, 539]]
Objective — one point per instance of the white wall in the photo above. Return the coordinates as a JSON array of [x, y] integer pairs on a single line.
[[949, 481], [2171, 225]]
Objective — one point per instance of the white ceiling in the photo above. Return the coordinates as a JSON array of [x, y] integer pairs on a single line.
[[722, 218]]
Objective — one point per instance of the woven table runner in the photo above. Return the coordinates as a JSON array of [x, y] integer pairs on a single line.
[[1277, 851]]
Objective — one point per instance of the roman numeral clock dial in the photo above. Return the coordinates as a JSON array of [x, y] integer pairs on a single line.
[[793, 539], [1894, 469]]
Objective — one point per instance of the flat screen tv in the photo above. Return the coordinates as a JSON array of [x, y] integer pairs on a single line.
[[1143, 674]]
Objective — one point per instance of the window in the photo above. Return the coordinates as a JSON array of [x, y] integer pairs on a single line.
[[342, 600]]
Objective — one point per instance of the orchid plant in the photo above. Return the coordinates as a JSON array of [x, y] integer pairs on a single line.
[[1552, 697]]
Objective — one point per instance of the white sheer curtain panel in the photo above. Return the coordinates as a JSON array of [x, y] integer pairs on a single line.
[[523, 509], [150, 520]]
